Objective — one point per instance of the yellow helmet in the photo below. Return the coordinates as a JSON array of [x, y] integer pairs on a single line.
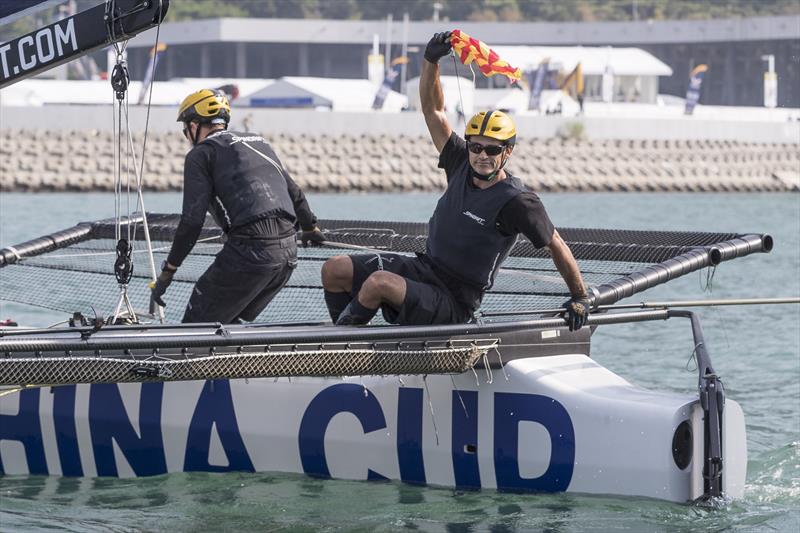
[[494, 124], [206, 106]]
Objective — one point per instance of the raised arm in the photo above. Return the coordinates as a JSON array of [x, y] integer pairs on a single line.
[[430, 90]]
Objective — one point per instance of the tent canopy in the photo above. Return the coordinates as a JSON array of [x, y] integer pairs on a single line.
[[284, 93], [594, 60], [336, 94]]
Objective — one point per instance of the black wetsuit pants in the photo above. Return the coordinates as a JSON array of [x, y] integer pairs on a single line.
[[431, 298], [244, 277]]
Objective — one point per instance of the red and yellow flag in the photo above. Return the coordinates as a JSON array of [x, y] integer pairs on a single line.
[[469, 49]]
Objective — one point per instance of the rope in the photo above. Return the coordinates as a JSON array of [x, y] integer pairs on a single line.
[[463, 116], [123, 266], [140, 176], [125, 247]]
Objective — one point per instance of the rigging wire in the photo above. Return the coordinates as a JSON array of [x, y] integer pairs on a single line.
[[120, 79], [140, 176], [463, 112], [123, 266]]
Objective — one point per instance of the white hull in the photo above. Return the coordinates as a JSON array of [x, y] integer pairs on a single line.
[[558, 423]]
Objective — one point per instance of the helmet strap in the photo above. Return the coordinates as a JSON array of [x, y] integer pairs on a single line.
[[193, 137], [493, 175], [482, 177]]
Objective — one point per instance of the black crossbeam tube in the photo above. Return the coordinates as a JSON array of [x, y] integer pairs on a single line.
[[680, 265], [76, 36], [220, 337], [78, 233]]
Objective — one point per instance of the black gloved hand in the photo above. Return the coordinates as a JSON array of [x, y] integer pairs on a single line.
[[314, 236], [159, 287], [577, 312], [438, 47]]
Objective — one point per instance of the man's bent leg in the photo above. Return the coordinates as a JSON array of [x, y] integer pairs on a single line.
[[337, 274], [277, 280], [336, 302], [210, 303], [337, 280], [223, 291], [383, 287], [380, 287]]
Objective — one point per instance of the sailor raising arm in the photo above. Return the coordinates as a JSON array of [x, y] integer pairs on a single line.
[[472, 230], [241, 181]]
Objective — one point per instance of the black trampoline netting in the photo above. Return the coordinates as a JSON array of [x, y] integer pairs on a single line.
[[73, 271]]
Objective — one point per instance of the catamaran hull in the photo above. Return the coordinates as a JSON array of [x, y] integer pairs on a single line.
[[549, 424]]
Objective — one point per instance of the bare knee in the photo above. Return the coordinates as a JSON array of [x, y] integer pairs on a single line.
[[382, 287], [337, 274]]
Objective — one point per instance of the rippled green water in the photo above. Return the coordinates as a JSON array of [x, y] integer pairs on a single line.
[[755, 349]]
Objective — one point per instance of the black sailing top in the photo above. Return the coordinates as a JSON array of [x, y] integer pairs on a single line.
[[472, 230], [238, 178]]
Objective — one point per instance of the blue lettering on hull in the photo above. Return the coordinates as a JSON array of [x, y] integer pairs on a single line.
[[465, 440], [109, 422], [409, 435], [344, 398], [25, 428], [66, 436], [215, 407], [509, 410]]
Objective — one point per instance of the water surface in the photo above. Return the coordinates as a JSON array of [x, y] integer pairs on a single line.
[[756, 350]]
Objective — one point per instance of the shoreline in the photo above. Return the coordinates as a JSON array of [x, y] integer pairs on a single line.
[[82, 161]]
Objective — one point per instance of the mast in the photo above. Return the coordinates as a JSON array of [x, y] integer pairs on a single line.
[[76, 36]]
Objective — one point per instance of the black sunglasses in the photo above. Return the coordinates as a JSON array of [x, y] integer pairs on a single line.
[[490, 149]]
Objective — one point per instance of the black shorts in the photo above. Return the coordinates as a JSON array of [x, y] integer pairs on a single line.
[[244, 277], [428, 299]]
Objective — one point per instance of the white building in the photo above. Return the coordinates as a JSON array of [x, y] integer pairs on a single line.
[[634, 71]]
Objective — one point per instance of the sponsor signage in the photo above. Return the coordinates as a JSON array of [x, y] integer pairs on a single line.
[[151, 429], [73, 37], [42, 49]]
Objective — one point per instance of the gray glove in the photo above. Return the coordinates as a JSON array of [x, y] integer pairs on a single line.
[[315, 237], [438, 47], [577, 312], [160, 286]]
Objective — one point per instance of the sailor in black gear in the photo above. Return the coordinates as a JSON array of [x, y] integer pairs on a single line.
[[238, 178], [473, 229]]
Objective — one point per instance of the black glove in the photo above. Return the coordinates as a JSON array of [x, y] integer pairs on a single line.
[[577, 312], [438, 47], [313, 236], [160, 286]]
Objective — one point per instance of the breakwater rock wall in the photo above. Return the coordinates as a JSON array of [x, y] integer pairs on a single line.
[[69, 160]]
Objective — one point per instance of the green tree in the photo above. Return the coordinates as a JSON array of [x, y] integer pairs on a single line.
[[502, 10], [379, 9], [454, 10], [340, 9], [203, 9]]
